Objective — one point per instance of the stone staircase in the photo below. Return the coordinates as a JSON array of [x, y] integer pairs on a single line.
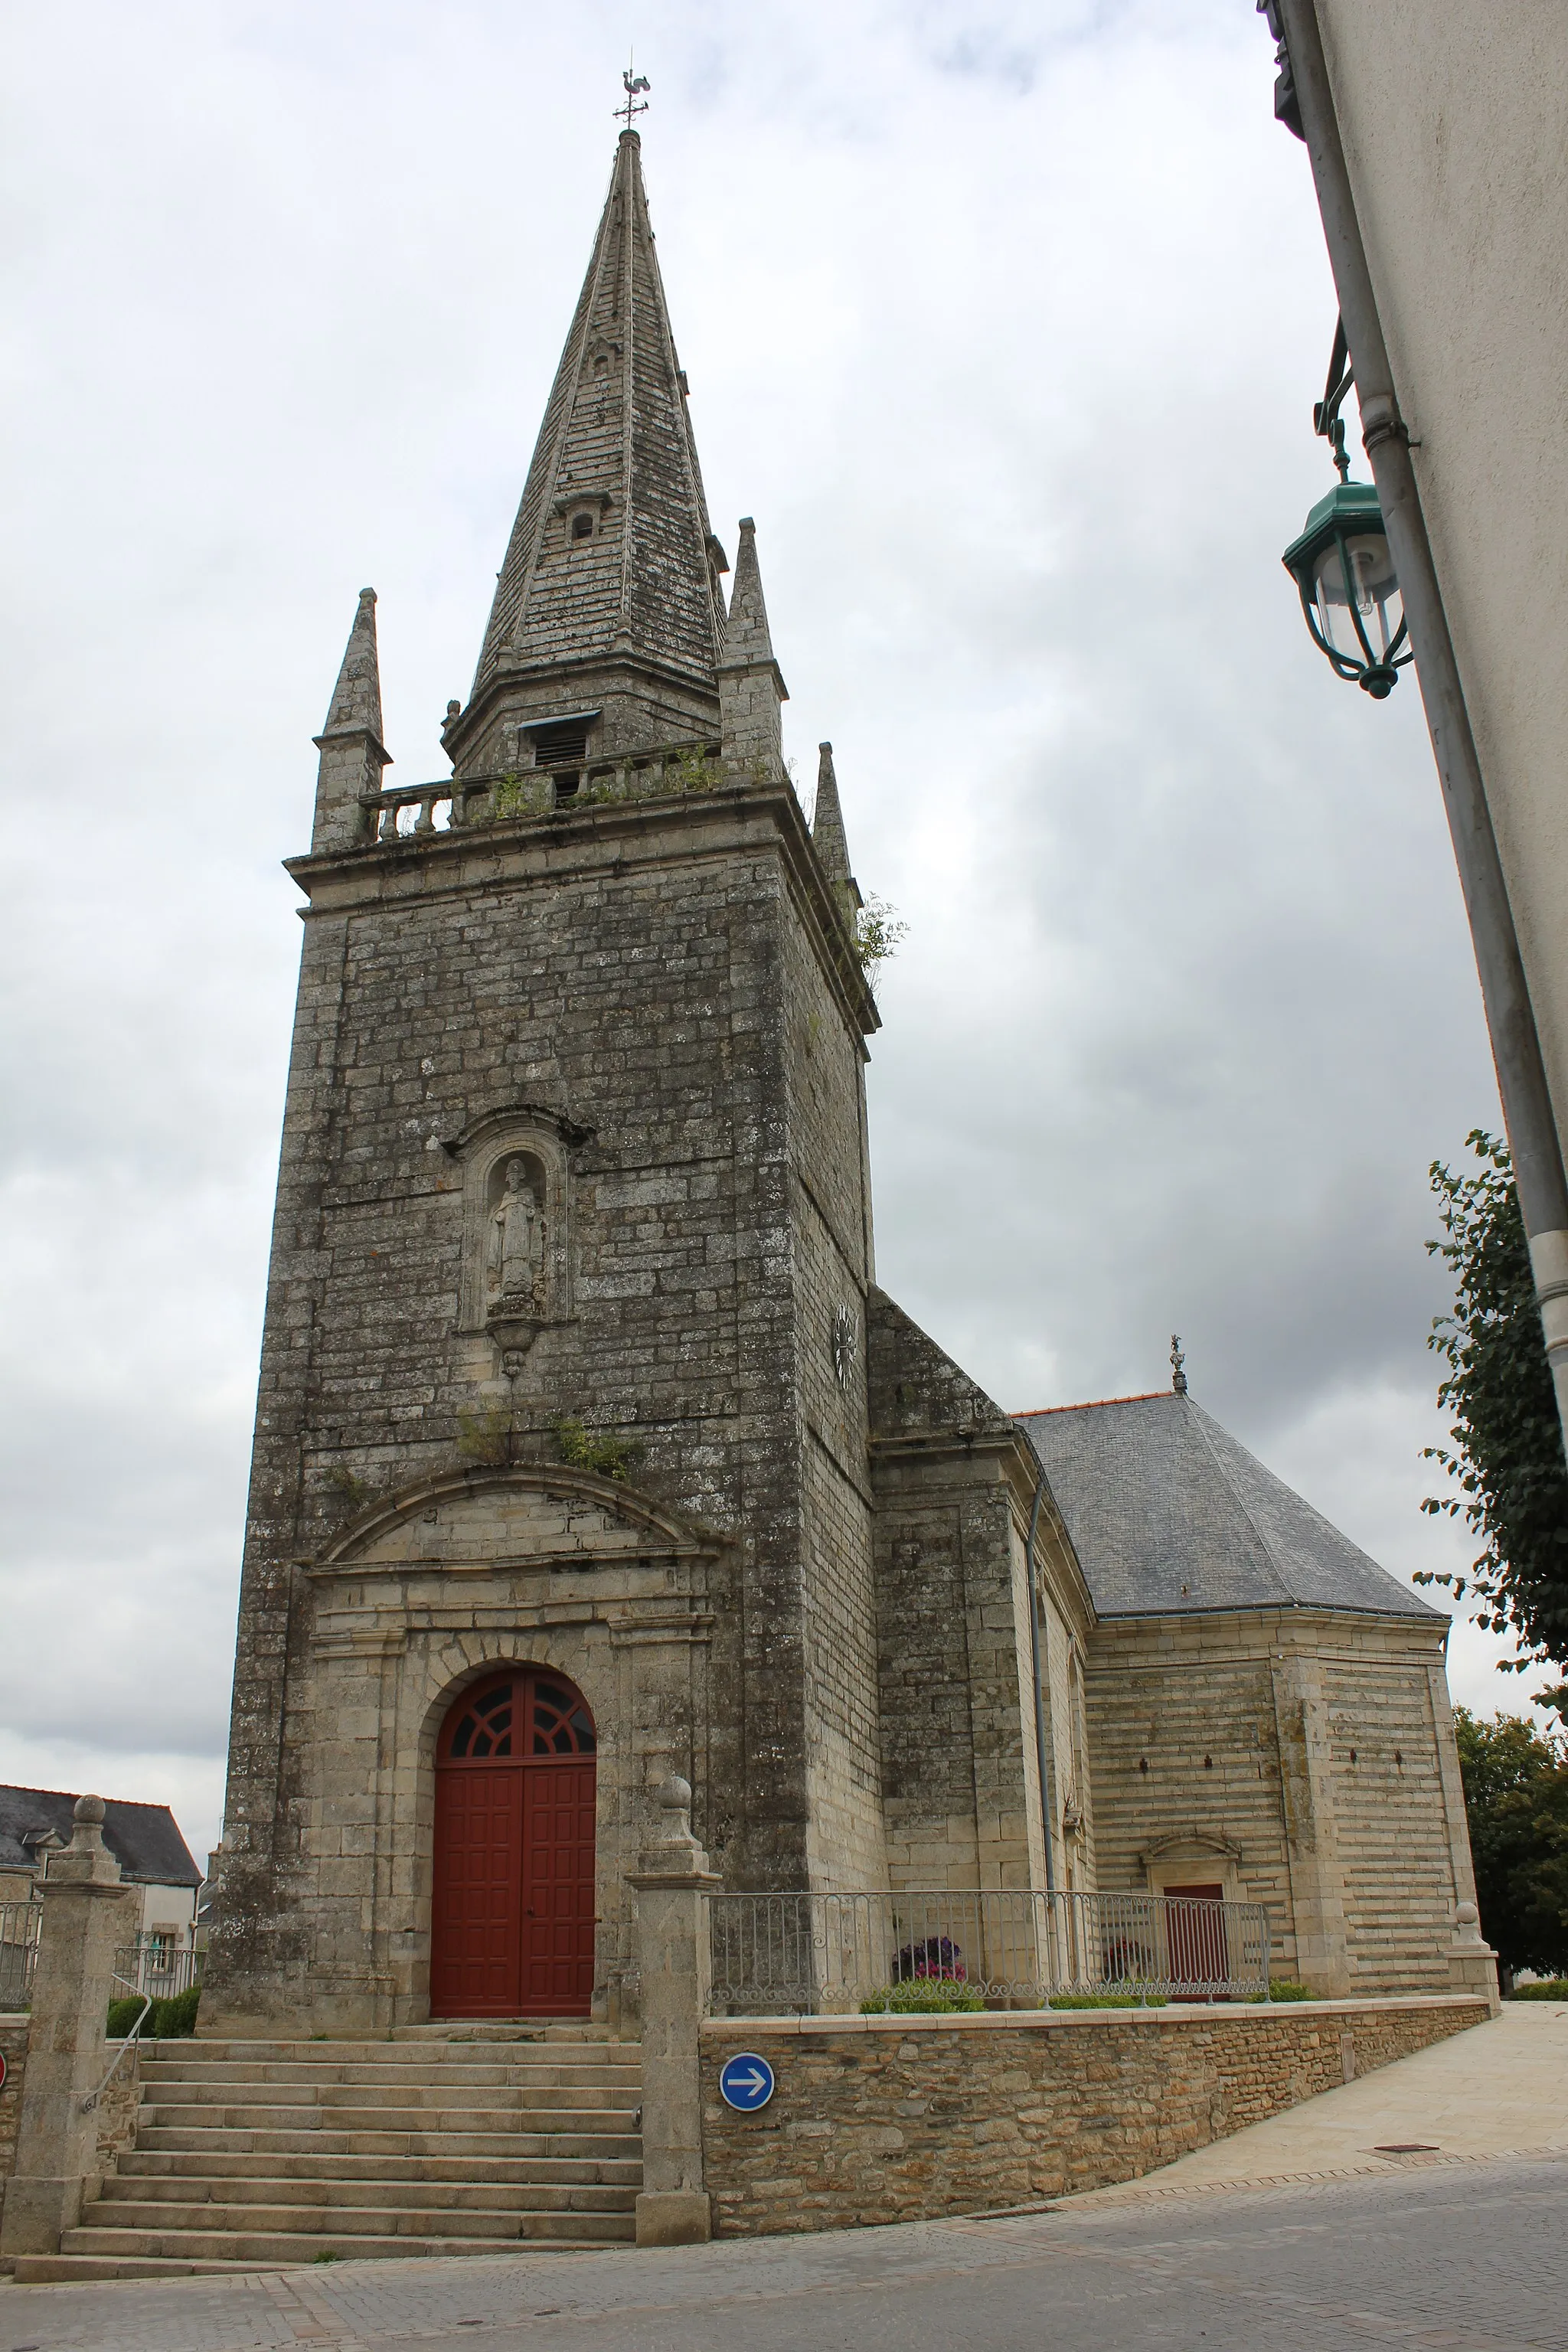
[[449, 2140]]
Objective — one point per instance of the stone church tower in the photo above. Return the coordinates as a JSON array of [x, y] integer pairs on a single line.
[[616, 1429], [587, 1449]]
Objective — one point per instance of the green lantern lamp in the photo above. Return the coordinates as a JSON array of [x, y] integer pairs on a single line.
[[1343, 567]]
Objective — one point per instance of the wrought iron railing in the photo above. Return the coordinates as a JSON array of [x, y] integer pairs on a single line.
[[151, 1966], [19, 1926], [830, 1954]]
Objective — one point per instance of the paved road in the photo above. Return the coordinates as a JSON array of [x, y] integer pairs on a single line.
[[1467, 2254]]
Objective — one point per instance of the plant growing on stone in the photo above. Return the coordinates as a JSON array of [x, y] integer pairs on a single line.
[[513, 796], [608, 1457], [692, 772], [877, 933], [484, 1439], [351, 1494]]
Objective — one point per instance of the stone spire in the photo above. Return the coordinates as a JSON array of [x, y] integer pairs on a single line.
[[352, 753], [608, 605], [828, 833], [751, 686]]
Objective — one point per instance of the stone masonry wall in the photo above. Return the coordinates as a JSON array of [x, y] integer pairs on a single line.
[[881, 2119], [960, 1753], [14, 2049], [633, 973], [1186, 1743], [116, 2111]]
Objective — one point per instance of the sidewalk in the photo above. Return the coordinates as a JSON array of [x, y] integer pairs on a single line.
[[1499, 2088]]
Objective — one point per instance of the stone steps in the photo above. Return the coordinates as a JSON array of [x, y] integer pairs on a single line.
[[230, 2164], [125, 2200], [259, 2155], [619, 2141]]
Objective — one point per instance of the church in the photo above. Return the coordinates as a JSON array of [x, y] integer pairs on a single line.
[[588, 1449]]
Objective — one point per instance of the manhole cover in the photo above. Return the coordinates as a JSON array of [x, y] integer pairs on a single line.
[[1409, 2147]]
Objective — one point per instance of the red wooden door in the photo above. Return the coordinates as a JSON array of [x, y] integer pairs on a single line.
[[512, 1916], [1194, 1931]]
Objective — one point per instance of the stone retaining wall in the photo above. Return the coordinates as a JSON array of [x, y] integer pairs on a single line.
[[116, 2111], [14, 2049], [891, 2119]]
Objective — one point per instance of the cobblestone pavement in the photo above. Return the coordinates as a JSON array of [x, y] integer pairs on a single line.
[[1468, 2256]]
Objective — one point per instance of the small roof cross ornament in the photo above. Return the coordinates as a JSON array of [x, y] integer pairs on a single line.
[[633, 104], [1178, 1366]]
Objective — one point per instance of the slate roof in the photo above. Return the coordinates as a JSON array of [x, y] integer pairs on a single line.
[[144, 1840], [1168, 1515], [616, 430]]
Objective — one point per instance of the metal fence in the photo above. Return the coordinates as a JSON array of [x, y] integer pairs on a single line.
[[831, 1954], [151, 1966], [19, 1925]]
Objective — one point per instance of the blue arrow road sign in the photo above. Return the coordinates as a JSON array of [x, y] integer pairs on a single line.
[[746, 2080]]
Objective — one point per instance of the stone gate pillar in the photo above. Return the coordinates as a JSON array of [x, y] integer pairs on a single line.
[[57, 2142], [675, 1962]]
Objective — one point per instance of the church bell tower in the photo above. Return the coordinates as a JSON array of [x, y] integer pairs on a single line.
[[560, 1478]]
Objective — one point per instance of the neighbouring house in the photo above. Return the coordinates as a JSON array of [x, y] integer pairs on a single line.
[[144, 1840]]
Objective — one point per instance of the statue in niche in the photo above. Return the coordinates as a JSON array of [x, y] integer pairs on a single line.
[[514, 1265]]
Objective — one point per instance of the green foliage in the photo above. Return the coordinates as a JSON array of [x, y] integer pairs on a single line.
[[877, 933], [1543, 1988], [608, 1457], [692, 772], [1507, 1460], [513, 795], [353, 1494], [1131, 1999], [1290, 1989], [922, 1997], [167, 2020], [1515, 1800], [484, 1439]]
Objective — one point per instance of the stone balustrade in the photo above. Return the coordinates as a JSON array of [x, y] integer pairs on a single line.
[[408, 812]]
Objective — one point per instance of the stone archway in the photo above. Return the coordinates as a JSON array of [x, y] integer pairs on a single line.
[[513, 1909]]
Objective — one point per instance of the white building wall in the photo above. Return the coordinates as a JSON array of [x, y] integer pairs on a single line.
[[1453, 117]]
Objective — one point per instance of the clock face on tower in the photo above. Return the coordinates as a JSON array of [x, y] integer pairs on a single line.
[[845, 1339]]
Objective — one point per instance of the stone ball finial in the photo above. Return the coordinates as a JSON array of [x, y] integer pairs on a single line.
[[674, 1793], [1466, 1914], [453, 708], [88, 1809]]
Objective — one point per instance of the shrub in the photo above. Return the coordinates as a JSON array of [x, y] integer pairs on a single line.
[[1131, 2000], [173, 2019], [167, 2020], [1289, 1989], [922, 1996], [1545, 1988]]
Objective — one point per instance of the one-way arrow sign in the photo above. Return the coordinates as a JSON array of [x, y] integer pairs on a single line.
[[746, 2082]]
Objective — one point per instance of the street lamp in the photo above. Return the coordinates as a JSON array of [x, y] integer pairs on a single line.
[[1341, 564]]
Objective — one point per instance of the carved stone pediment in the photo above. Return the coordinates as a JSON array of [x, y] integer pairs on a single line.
[[520, 1517], [1198, 1843]]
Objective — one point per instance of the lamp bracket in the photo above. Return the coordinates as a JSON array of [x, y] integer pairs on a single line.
[[1327, 421]]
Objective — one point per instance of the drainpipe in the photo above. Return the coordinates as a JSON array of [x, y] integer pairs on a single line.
[[1037, 1644], [1516, 1045]]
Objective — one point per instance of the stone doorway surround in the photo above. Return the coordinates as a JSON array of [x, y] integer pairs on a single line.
[[419, 1599]]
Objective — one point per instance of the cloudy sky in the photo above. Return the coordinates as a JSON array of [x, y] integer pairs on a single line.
[[1006, 321]]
